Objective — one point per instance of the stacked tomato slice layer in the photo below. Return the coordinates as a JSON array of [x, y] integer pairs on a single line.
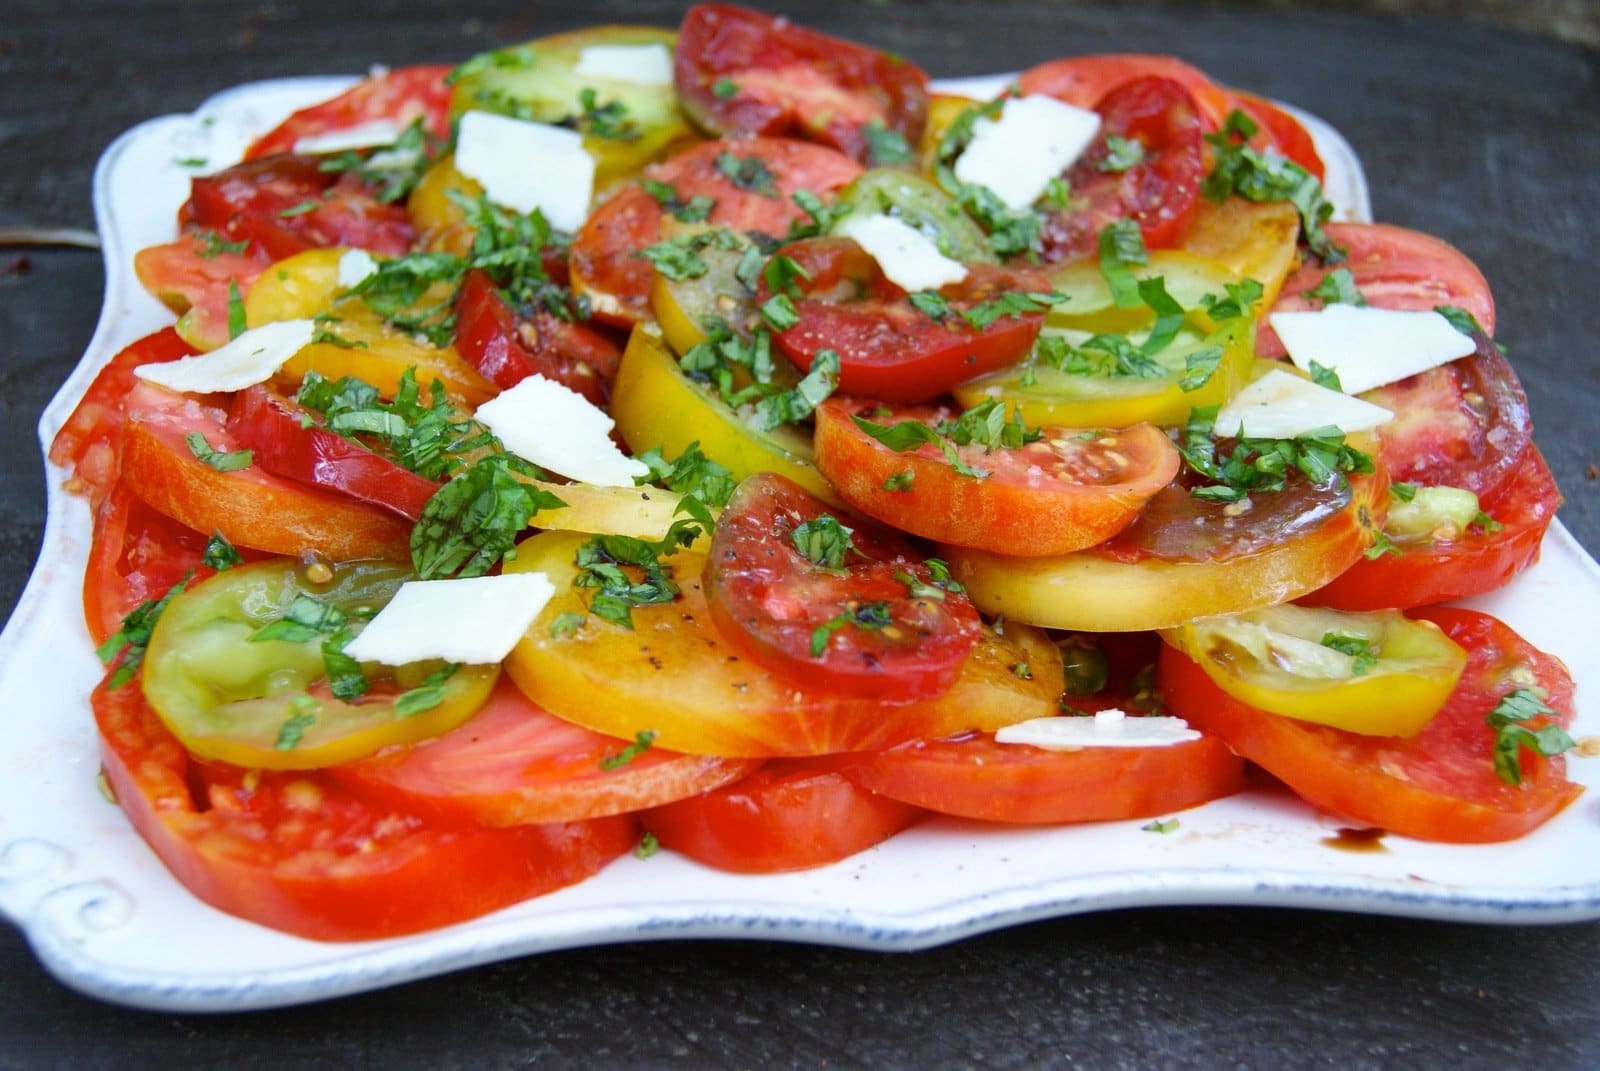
[[946, 509]]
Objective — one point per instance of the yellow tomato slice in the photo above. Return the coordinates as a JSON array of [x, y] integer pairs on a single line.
[[656, 404], [1254, 241], [673, 674], [265, 703], [307, 285], [1379, 674], [1089, 305], [683, 306], [943, 111], [640, 512]]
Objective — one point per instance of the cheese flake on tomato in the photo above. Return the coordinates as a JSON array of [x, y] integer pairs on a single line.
[[368, 135], [1035, 139], [474, 620], [644, 65], [1108, 728], [523, 166], [1281, 405], [908, 257], [355, 267], [559, 429], [247, 360], [1370, 347]]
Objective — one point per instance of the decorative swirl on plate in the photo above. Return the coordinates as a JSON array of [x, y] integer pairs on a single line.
[[84, 909]]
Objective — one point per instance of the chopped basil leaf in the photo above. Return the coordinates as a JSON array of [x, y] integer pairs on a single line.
[[869, 617], [1323, 376], [886, 147], [1121, 154], [899, 481], [126, 646], [779, 312], [473, 521], [1241, 170], [748, 173], [1160, 825], [823, 541], [212, 245], [237, 320], [724, 89], [222, 461], [1509, 720], [930, 304], [1338, 287], [1122, 248], [603, 562], [219, 554], [1362, 651], [566, 624], [608, 121], [641, 743]]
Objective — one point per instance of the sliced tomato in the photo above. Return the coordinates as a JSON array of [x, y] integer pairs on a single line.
[[1289, 136], [249, 507], [1394, 268], [136, 555], [193, 279], [888, 348], [283, 205], [302, 854], [276, 432], [400, 96], [973, 776], [885, 629], [1438, 785], [742, 72], [507, 348], [674, 673], [605, 266], [791, 814], [1161, 192], [514, 763], [90, 438], [1068, 490], [1476, 561], [1084, 81]]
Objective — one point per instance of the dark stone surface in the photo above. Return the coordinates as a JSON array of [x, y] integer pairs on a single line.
[[1488, 139]]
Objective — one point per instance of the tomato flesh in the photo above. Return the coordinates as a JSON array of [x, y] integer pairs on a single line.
[[401, 96], [507, 348], [283, 205], [771, 599]]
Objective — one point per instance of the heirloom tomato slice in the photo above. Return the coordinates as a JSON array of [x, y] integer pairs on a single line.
[[195, 277], [673, 673], [299, 853], [512, 763], [400, 96], [1066, 490], [1084, 81], [791, 814], [837, 603], [742, 72], [1440, 784], [507, 347], [283, 205]]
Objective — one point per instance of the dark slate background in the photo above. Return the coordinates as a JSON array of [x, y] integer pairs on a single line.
[[1488, 139]]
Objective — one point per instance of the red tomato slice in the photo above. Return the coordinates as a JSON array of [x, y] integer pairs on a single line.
[[136, 555], [789, 815], [249, 506], [92, 435], [401, 95], [770, 598], [887, 347], [300, 853], [605, 266], [1286, 133], [271, 427], [1480, 560], [1161, 192], [744, 72], [188, 279], [507, 348], [1057, 495], [972, 776], [283, 205], [513, 763], [1438, 785], [1394, 268], [1084, 81]]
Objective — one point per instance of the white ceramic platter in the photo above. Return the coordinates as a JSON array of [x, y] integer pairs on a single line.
[[104, 915]]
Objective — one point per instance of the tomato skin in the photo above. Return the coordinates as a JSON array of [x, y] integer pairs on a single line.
[[973, 776], [137, 554], [260, 201], [515, 764], [269, 425], [506, 348], [401, 95], [603, 264], [887, 348], [1084, 81], [792, 814], [1161, 193], [1288, 135], [301, 854], [249, 507], [769, 598], [1439, 785], [1021, 508], [1478, 562], [793, 82]]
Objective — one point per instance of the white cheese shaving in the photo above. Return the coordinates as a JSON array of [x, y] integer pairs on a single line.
[[644, 65], [1281, 405], [247, 360], [524, 166], [1108, 728], [1370, 347], [1035, 139], [366, 135], [475, 620], [355, 267], [559, 429], [908, 257]]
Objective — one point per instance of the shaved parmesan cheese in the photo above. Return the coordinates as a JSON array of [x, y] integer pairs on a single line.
[[1281, 405], [644, 65], [1034, 140], [361, 136], [908, 257], [247, 360], [355, 266], [1108, 728], [559, 429], [1370, 347], [524, 166], [475, 620]]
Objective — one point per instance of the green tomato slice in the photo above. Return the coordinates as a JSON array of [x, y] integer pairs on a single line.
[[921, 205]]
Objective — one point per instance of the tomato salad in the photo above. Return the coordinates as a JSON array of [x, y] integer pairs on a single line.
[[768, 452]]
